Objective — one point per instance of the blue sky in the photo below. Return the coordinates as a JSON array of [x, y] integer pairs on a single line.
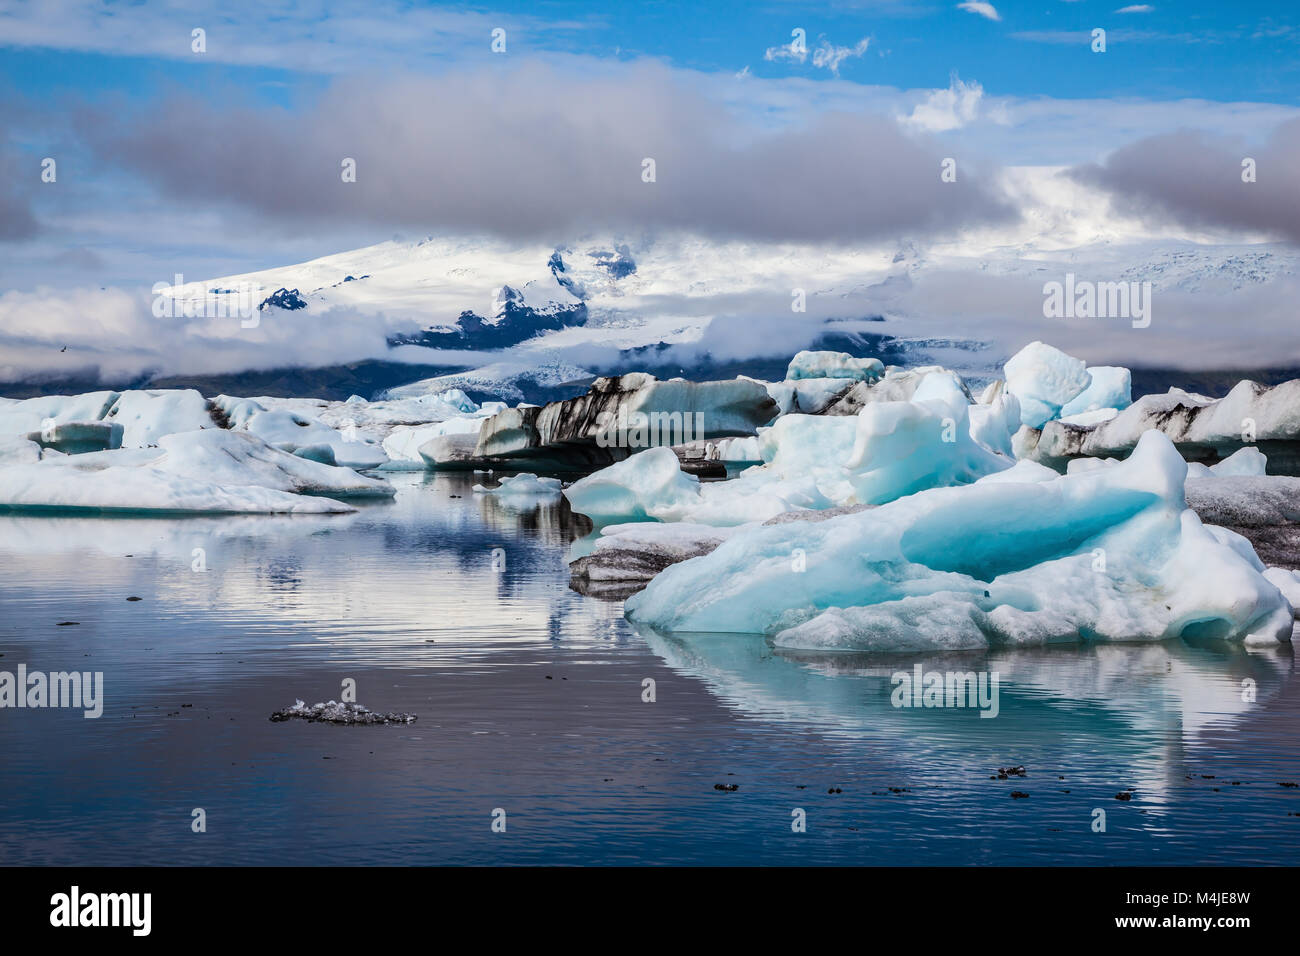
[[1188, 48]]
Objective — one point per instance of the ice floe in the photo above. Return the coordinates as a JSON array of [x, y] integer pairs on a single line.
[[207, 471], [523, 485]]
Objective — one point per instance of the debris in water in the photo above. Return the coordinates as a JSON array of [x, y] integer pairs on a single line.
[[335, 713]]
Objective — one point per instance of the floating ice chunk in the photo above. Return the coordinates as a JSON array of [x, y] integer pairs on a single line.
[[403, 442], [798, 445], [649, 485], [840, 365], [625, 556], [133, 489], [1110, 556], [211, 471], [1109, 386], [523, 485], [332, 712], [1044, 379]]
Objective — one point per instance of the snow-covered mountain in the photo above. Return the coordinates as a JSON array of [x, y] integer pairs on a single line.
[[523, 319]]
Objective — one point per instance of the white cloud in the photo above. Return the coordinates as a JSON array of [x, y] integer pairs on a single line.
[[830, 57], [1136, 8], [827, 56], [793, 51], [986, 10], [947, 109]]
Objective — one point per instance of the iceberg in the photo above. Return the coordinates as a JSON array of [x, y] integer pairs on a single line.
[[146, 416], [1203, 429], [1109, 387], [618, 415], [135, 418], [836, 365], [210, 471], [649, 485], [523, 485], [624, 557], [1108, 555], [1044, 379], [888, 450]]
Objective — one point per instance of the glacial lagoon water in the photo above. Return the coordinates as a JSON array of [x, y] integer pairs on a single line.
[[530, 701]]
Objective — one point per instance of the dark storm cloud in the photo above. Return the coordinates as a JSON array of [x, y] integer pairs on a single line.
[[17, 181], [1195, 179], [535, 151], [16, 219]]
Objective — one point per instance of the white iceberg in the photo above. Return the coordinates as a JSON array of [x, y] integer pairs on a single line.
[[211, 471], [144, 416], [1202, 428], [1044, 379], [649, 485], [904, 447], [814, 462], [1243, 462], [1109, 387], [837, 365], [1111, 555], [523, 485]]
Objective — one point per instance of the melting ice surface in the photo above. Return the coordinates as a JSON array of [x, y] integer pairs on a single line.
[[530, 698]]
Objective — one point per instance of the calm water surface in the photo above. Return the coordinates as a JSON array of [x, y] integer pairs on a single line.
[[529, 699]]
